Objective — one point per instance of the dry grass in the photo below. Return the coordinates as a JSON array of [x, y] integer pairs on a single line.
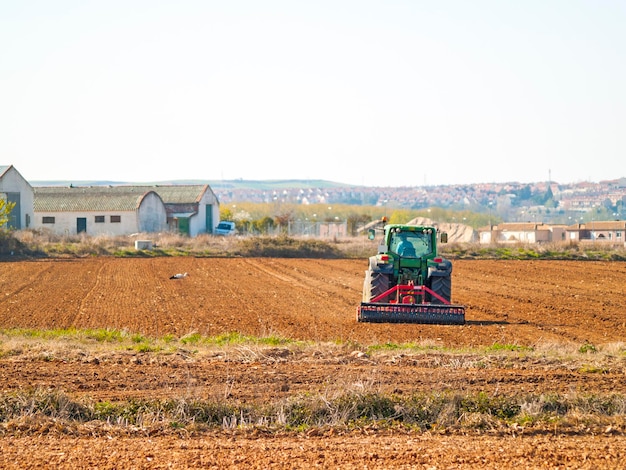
[[45, 411], [42, 243], [45, 244]]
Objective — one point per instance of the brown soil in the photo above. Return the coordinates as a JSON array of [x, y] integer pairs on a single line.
[[351, 451], [526, 303]]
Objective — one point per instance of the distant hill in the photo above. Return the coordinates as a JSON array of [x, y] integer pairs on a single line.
[[215, 184], [77, 183], [275, 184]]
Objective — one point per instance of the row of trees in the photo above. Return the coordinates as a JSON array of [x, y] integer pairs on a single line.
[[268, 217]]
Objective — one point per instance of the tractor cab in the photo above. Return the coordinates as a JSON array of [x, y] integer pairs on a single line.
[[410, 244]]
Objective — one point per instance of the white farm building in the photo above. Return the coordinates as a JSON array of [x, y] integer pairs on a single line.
[[122, 210], [191, 209], [98, 210]]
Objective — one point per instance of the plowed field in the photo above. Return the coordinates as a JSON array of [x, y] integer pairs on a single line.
[[525, 303]]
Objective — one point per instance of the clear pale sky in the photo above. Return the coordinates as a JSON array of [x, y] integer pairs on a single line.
[[379, 93]]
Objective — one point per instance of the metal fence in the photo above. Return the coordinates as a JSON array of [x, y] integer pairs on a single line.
[[311, 229], [318, 229]]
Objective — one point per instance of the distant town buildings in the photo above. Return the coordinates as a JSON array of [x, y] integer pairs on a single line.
[[531, 212], [601, 232], [542, 202]]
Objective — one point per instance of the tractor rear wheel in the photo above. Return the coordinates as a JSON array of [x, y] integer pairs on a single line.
[[442, 286], [375, 284]]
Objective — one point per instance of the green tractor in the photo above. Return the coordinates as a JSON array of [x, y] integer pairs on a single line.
[[407, 281]]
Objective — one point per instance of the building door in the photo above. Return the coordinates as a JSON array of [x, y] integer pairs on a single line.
[[183, 225], [81, 224], [209, 218], [15, 219]]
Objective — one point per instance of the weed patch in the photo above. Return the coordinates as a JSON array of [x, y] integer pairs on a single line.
[[423, 411]]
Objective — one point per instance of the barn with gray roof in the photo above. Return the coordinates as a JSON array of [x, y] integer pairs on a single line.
[[192, 209], [126, 209], [99, 210]]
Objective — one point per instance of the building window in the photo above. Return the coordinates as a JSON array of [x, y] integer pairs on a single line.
[[47, 220], [116, 219], [618, 234], [99, 219]]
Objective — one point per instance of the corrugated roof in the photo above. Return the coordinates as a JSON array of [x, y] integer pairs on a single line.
[[182, 215], [180, 193], [92, 198], [111, 198]]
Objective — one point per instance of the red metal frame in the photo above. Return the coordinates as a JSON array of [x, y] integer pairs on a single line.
[[408, 289]]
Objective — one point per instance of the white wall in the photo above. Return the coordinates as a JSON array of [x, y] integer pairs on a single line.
[[152, 216], [65, 223], [517, 236]]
